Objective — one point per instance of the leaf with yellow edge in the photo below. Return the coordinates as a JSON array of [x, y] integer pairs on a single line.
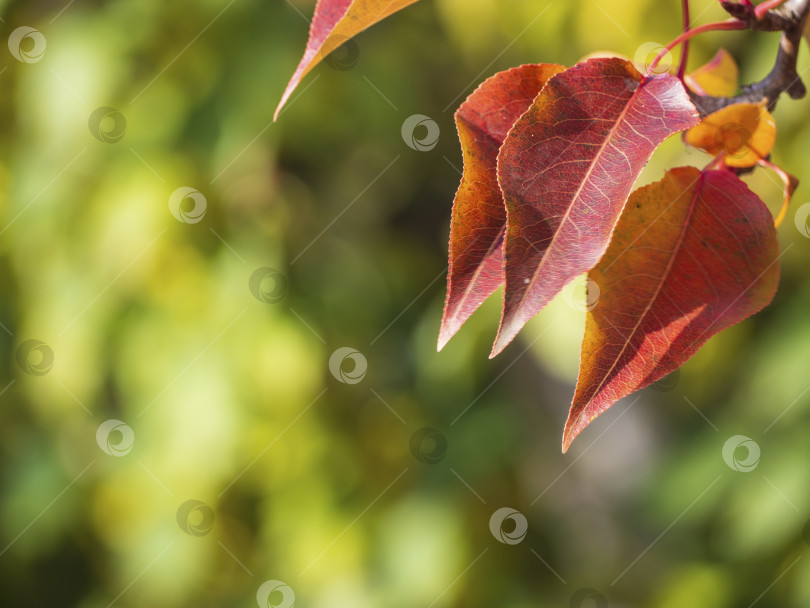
[[743, 132], [691, 255], [479, 216], [719, 77], [335, 22]]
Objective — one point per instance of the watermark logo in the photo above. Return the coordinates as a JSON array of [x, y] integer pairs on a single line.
[[512, 533], [27, 44], [802, 220], [180, 208], [195, 518], [420, 133], [646, 54], [348, 365], [107, 125], [115, 438], [668, 382], [268, 285], [582, 294], [35, 357], [344, 56], [751, 453], [733, 138], [275, 594], [428, 445], [588, 598]]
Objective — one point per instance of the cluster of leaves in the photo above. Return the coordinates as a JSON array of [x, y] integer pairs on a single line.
[[550, 158]]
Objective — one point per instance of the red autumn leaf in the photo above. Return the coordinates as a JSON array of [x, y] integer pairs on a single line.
[[479, 215], [692, 255], [567, 168], [335, 22]]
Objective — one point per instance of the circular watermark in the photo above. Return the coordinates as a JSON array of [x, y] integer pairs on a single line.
[[107, 125], [344, 56], [646, 54], [668, 382], [751, 454], [582, 294], [195, 518], [588, 598], [35, 357], [268, 285], [802, 220], [180, 209], [733, 138], [420, 133], [115, 438], [275, 594], [27, 44], [428, 445], [357, 365], [512, 533]]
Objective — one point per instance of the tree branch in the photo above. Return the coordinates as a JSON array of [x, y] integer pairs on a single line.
[[788, 18], [775, 20]]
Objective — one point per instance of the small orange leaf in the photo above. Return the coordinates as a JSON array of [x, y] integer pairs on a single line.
[[719, 77], [743, 132]]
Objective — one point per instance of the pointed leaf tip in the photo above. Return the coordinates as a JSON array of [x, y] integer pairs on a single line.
[[479, 216], [566, 169], [568, 437], [335, 22]]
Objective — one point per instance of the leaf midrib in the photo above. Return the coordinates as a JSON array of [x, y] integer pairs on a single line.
[[676, 250], [567, 215]]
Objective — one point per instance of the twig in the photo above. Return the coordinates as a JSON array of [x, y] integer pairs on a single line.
[[769, 20], [729, 24], [783, 78], [767, 5]]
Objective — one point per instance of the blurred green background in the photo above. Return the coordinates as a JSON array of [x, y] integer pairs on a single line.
[[204, 332]]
